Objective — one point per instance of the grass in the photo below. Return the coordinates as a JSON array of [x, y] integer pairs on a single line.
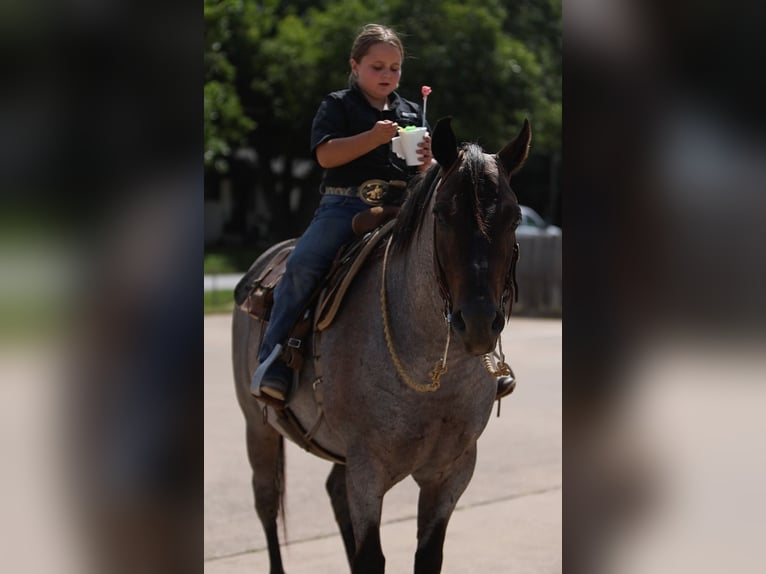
[[219, 302], [30, 322], [229, 259], [221, 261]]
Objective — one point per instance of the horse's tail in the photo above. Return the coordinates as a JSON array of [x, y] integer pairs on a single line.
[[280, 479]]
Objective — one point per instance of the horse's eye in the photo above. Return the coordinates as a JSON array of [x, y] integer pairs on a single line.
[[514, 219], [508, 223]]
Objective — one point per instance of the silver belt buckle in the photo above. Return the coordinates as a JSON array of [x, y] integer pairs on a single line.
[[372, 191]]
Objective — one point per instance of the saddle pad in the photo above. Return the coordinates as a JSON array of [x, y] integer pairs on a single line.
[[332, 296]]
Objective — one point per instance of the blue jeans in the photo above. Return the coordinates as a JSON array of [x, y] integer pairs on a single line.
[[308, 263]]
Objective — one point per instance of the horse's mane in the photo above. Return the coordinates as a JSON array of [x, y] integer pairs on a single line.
[[410, 217], [473, 170]]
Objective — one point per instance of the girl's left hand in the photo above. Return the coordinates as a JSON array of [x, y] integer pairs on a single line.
[[424, 152]]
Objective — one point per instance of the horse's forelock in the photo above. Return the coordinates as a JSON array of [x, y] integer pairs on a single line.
[[481, 177], [475, 192]]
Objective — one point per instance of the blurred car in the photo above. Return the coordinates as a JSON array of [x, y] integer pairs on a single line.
[[539, 268], [533, 224]]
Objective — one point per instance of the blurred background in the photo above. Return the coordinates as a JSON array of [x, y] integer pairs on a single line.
[[101, 231], [105, 171], [269, 64], [664, 172]]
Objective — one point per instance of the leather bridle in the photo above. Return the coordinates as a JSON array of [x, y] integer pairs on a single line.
[[510, 285]]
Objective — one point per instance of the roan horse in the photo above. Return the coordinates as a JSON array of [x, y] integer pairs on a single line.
[[448, 271]]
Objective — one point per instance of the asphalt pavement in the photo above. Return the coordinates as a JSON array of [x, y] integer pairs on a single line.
[[508, 520]]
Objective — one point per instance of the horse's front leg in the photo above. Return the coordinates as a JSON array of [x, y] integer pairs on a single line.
[[439, 493], [366, 485]]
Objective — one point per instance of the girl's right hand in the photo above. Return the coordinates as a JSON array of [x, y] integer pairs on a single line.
[[384, 130]]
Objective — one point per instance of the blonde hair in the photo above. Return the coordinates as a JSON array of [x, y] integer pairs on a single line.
[[372, 34]]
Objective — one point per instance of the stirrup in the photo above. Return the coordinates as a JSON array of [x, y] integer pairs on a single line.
[[255, 383]]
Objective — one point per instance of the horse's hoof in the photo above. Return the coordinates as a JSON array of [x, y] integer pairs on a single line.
[[505, 386]]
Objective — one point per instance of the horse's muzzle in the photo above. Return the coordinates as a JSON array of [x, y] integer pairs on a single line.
[[478, 326]]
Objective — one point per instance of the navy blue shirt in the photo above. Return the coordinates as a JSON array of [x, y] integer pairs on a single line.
[[347, 113]]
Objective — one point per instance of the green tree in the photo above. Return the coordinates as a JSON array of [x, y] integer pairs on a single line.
[[225, 123], [491, 63]]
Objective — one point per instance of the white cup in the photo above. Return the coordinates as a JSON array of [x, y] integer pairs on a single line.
[[405, 145]]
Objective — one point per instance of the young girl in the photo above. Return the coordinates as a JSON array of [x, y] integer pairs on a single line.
[[350, 138]]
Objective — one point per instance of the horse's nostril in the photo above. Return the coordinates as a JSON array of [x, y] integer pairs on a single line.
[[457, 321], [498, 323]]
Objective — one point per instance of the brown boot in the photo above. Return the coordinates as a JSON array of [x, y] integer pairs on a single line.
[[276, 380]]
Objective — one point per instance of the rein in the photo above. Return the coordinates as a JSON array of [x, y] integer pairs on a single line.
[[439, 368]]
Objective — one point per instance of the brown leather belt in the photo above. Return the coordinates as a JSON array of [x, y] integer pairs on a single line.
[[371, 191]]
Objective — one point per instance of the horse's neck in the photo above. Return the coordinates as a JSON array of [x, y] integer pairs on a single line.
[[412, 278]]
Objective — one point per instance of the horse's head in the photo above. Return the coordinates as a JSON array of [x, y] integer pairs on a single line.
[[476, 214]]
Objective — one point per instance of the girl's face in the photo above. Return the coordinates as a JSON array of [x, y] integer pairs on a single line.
[[378, 71]]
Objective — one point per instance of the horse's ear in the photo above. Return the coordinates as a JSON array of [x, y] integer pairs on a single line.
[[443, 143], [513, 156]]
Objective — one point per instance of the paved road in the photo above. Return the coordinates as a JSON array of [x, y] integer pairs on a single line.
[[509, 519]]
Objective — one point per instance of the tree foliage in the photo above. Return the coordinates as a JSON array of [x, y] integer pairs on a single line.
[[491, 63], [226, 125]]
